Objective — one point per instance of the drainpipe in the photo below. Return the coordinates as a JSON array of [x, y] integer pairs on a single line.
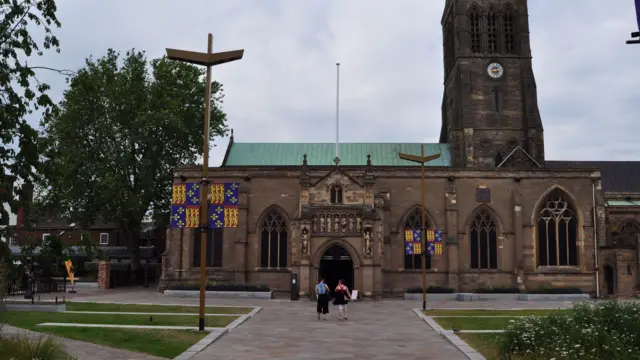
[[595, 238]]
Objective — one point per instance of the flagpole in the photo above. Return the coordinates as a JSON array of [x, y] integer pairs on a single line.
[[337, 111]]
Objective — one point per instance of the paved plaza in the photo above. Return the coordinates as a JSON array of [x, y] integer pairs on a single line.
[[286, 329]]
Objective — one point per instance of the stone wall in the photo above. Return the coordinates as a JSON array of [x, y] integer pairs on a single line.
[[450, 201]]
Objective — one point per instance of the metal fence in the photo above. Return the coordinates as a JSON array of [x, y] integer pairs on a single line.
[[40, 286]]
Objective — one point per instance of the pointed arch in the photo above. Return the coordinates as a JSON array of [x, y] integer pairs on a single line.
[[474, 28], [353, 252], [273, 227], [492, 30], [629, 227], [557, 222], [484, 226], [265, 212], [413, 220], [491, 211], [508, 29]]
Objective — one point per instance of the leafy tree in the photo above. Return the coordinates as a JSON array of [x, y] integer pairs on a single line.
[[123, 128], [20, 91]]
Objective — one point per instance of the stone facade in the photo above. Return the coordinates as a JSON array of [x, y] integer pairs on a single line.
[[383, 199]]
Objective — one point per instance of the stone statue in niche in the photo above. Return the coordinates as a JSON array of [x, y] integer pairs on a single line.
[[314, 223], [321, 223], [358, 224], [351, 223], [329, 223], [305, 241], [343, 223], [336, 223], [367, 241]]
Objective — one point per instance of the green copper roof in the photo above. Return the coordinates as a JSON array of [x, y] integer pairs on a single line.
[[623, 202], [291, 154]]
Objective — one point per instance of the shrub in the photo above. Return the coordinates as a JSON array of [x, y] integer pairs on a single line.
[[23, 348], [496, 290], [430, 290], [221, 287], [588, 331], [556, 290]]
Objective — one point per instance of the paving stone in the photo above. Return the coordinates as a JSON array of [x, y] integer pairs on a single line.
[[375, 330]]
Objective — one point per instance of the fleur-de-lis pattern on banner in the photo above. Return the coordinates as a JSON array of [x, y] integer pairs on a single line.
[[223, 207]]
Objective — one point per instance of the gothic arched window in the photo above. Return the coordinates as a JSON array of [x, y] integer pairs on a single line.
[[492, 31], [336, 194], [273, 241], [214, 247], [557, 232], [484, 243], [508, 24], [414, 222], [629, 228], [474, 26]]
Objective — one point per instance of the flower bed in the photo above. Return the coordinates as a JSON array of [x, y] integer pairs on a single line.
[[606, 330]]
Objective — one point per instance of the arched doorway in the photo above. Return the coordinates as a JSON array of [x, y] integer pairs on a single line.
[[609, 279], [336, 264]]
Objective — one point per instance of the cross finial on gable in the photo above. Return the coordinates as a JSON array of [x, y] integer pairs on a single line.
[[336, 160]]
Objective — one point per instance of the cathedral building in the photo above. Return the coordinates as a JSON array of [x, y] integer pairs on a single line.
[[509, 218]]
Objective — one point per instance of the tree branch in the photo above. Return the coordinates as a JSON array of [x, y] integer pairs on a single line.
[[65, 72]]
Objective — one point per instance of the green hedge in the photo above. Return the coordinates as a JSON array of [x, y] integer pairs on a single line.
[[221, 287], [588, 331], [558, 290], [497, 290], [430, 290], [543, 290]]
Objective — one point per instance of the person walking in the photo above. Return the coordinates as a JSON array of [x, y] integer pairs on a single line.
[[342, 296], [322, 294]]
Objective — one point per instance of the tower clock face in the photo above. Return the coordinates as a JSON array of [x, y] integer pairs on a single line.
[[495, 70]]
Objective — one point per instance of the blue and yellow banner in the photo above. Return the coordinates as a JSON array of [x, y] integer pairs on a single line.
[[412, 242], [413, 245], [223, 207]]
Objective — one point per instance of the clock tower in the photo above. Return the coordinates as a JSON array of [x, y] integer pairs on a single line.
[[490, 110]]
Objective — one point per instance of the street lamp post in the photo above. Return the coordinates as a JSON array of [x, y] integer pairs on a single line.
[[423, 246], [207, 59]]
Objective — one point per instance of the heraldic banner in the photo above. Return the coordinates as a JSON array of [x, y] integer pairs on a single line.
[[413, 244], [222, 209]]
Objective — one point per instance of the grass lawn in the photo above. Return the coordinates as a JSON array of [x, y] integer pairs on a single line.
[[80, 306], [471, 323], [537, 312], [472, 320], [29, 320], [161, 343], [485, 344]]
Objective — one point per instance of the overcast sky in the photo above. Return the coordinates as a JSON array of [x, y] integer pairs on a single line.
[[391, 73]]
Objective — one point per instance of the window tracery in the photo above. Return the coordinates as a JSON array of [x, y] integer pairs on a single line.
[[484, 243], [557, 232], [414, 222], [274, 236]]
